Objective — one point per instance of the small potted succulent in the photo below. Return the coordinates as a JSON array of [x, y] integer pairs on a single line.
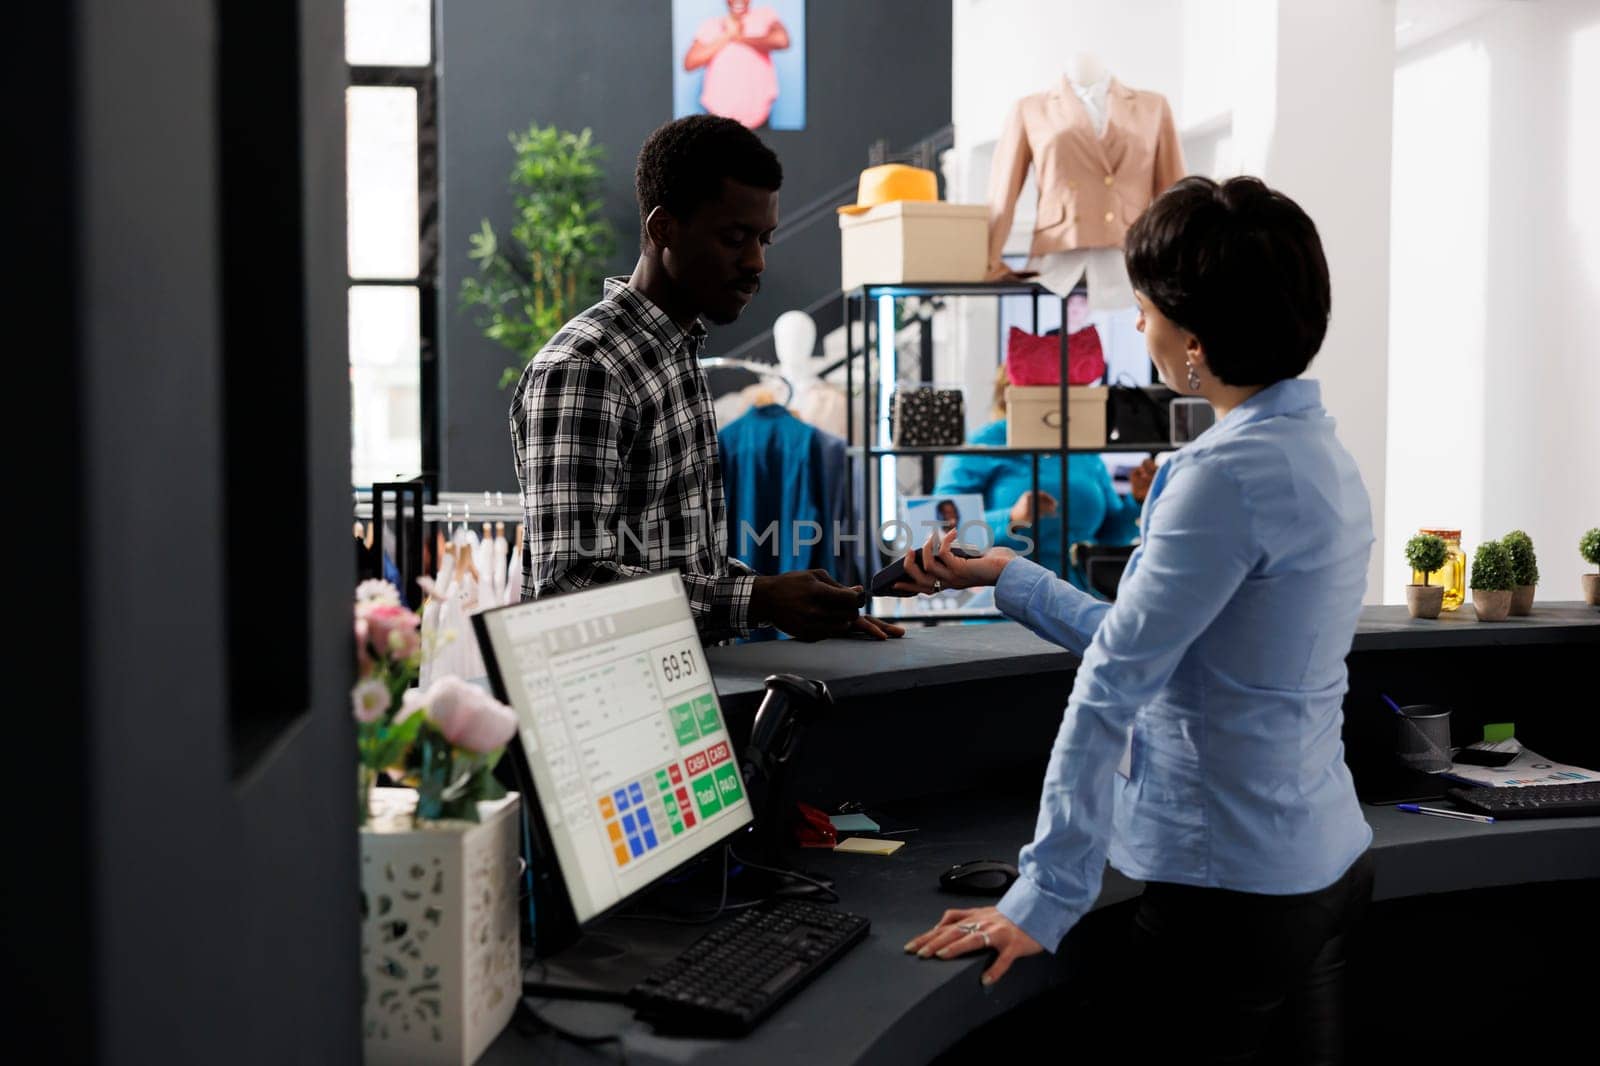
[[1426, 553], [1524, 570], [1589, 548], [1492, 581]]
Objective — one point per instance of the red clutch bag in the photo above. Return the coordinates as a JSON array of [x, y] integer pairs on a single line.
[[1034, 360]]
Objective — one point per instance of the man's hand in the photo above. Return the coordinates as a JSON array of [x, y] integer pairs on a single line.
[[811, 605]]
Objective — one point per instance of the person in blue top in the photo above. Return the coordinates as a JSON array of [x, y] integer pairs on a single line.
[[1200, 749], [1096, 512]]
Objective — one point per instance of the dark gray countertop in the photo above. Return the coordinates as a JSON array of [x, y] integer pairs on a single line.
[[878, 1005], [942, 654]]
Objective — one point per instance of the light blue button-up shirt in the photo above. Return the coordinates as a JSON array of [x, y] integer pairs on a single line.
[[1225, 654]]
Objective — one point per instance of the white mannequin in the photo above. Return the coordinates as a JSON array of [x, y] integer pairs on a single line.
[[1085, 69], [1091, 81], [794, 335]]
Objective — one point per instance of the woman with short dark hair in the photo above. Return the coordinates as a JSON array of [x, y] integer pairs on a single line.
[[1218, 675]]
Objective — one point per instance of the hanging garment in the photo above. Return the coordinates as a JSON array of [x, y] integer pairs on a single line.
[[1102, 270], [785, 484], [1091, 187], [824, 405]]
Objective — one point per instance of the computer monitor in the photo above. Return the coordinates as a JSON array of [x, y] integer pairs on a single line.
[[633, 773]]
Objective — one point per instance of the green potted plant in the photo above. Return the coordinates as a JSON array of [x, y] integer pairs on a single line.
[[1589, 548], [1524, 570], [1426, 553], [1492, 581], [552, 265]]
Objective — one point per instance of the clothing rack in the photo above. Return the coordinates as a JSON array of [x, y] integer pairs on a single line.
[[761, 370], [403, 506]]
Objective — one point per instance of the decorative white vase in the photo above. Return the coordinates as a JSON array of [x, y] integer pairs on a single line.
[[440, 953]]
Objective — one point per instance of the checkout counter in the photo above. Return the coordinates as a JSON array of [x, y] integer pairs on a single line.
[[948, 731]]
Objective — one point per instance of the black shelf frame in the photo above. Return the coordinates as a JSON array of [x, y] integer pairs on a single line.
[[861, 301]]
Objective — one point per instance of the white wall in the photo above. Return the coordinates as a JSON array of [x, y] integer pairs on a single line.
[[1494, 399], [1323, 137], [1006, 49]]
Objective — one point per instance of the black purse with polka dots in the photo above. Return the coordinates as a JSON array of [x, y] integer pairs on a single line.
[[922, 416]]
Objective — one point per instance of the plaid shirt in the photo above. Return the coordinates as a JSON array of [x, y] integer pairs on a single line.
[[617, 457]]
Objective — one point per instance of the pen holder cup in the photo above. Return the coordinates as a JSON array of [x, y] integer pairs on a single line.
[[1422, 739]]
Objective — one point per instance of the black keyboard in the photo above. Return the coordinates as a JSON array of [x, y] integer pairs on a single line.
[[1530, 801], [731, 978]]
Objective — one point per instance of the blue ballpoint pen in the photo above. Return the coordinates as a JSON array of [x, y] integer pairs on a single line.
[[1440, 812]]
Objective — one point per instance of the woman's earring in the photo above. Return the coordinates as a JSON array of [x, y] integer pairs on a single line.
[[1194, 378]]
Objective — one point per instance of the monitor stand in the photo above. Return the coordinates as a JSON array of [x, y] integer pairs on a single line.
[[607, 960]]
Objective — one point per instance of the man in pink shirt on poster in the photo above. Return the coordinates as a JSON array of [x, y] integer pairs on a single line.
[[740, 82]]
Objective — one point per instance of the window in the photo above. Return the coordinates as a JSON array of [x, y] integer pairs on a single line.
[[392, 244]]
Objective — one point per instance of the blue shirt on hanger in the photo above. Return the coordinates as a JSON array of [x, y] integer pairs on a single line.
[[778, 472]]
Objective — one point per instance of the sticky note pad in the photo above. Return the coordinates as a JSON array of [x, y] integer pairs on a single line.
[[853, 823], [865, 846], [1499, 731]]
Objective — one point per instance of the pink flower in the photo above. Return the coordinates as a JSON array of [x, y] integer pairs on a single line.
[[363, 652], [469, 717], [369, 699], [394, 631]]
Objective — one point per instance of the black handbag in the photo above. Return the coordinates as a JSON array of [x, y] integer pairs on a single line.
[[1139, 416], [922, 416]]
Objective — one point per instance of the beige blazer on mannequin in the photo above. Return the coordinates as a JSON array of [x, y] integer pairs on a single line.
[[1091, 188]]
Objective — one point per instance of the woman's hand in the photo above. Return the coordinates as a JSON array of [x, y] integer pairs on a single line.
[[963, 932], [1139, 479], [946, 571], [1026, 507]]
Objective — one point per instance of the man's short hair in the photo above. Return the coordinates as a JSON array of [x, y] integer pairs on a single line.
[[682, 165], [1241, 267]]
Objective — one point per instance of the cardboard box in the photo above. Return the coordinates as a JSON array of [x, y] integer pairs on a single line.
[[1033, 416], [914, 241]]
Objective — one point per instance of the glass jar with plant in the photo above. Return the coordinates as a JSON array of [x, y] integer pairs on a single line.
[[1426, 553], [1492, 581]]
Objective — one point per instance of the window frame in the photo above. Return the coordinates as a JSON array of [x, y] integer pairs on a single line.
[[425, 80]]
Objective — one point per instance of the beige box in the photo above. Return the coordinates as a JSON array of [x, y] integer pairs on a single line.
[[914, 241], [1033, 416]]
